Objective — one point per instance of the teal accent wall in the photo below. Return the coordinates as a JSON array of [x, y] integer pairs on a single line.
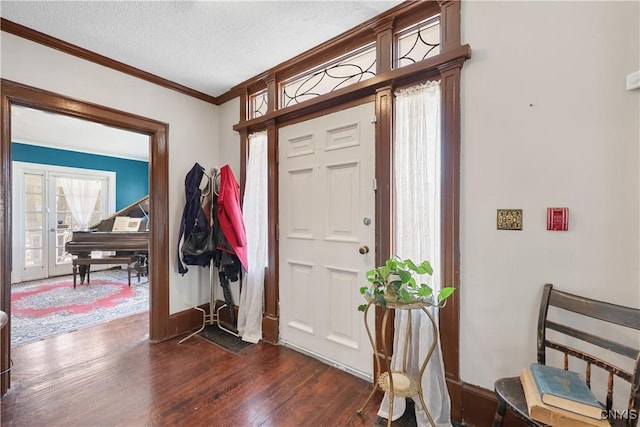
[[132, 176]]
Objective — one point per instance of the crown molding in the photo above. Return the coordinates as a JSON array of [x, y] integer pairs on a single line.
[[71, 49]]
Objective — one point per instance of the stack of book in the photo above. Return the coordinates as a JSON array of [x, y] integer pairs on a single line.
[[560, 398]]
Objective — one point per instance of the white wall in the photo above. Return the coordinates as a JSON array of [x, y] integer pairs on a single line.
[[546, 121], [193, 129], [228, 116]]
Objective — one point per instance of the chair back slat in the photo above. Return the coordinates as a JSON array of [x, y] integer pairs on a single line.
[[614, 314], [605, 343]]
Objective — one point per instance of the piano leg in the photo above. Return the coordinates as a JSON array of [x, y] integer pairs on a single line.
[[75, 272], [139, 264], [84, 271]]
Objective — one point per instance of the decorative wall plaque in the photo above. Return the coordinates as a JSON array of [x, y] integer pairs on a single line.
[[509, 219]]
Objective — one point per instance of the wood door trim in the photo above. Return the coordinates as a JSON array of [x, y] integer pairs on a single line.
[[271, 315], [14, 93], [413, 72]]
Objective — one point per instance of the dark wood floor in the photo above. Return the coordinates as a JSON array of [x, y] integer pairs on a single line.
[[110, 375]]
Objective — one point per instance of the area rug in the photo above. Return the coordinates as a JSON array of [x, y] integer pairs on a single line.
[[223, 339], [44, 308]]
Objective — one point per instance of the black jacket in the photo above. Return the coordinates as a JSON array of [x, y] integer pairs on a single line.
[[192, 212]]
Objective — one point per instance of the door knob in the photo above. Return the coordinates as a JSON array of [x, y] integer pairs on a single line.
[[364, 250]]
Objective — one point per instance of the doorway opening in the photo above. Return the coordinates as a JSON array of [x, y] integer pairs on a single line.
[[65, 172], [16, 94]]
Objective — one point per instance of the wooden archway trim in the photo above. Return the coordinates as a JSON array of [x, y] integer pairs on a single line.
[[14, 93]]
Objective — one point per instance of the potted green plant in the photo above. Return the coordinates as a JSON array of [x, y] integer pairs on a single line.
[[396, 282]]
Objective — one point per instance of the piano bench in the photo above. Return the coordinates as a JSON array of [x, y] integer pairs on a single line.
[[129, 260]]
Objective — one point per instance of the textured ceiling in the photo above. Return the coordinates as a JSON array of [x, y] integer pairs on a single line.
[[209, 46]]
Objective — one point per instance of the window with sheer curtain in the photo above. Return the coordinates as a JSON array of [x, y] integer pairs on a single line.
[[250, 307], [81, 196], [417, 171]]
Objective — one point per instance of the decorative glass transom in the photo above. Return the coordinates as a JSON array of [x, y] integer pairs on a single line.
[[258, 104], [418, 42], [346, 70]]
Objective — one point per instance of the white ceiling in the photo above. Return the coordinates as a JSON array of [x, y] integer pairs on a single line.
[[37, 127], [209, 46]]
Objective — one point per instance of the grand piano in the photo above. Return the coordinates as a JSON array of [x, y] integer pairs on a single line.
[[126, 233]]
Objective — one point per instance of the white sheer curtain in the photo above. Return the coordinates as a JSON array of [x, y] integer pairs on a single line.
[[254, 209], [417, 236], [81, 196]]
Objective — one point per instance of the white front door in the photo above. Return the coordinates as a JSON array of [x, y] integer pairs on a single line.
[[327, 214]]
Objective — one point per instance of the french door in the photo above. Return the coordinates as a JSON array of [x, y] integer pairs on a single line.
[[43, 221]]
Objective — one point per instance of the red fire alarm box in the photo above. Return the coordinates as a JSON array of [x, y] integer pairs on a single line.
[[558, 219]]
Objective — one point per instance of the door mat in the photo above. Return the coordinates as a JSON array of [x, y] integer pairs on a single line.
[[408, 419], [223, 339]]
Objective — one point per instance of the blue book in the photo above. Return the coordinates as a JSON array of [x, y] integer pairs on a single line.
[[566, 390]]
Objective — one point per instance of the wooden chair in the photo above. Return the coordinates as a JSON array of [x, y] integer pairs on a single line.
[[509, 390]]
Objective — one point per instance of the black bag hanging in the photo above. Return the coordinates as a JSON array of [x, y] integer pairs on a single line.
[[193, 215], [199, 241]]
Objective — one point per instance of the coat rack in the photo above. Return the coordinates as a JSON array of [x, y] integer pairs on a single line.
[[213, 316]]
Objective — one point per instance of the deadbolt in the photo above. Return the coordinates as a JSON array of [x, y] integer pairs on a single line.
[[364, 250], [366, 221]]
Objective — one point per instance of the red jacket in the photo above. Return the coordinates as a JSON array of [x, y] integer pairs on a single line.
[[230, 215]]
